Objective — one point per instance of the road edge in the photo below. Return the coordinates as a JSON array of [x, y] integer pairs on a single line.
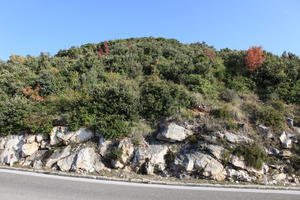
[[149, 181]]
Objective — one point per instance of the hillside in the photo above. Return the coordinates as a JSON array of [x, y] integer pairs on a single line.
[[240, 108]]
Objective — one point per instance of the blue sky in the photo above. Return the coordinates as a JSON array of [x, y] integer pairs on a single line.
[[34, 26]]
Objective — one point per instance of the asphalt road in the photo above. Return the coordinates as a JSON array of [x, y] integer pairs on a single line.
[[16, 185]]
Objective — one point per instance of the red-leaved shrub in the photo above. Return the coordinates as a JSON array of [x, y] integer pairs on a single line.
[[254, 58]]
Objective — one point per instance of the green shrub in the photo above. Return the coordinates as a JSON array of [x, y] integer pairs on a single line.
[[271, 117], [254, 156], [115, 154]]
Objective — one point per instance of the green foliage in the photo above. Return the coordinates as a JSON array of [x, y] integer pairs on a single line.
[[115, 154], [269, 116], [137, 79], [254, 156], [161, 99]]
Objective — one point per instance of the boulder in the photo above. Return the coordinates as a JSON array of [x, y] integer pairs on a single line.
[[296, 130], [42, 136], [30, 139], [61, 134], [196, 161], [173, 133], [103, 145], [238, 162], [272, 151], [29, 148], [126, 147], [58, 155], [58, 134], [239, 175], [279, 177], [286, 140], [237, 139], [12, 148], [290, 122], [146, 159], [67, 164], [215, 150], [87, 159], [36, 160], [263, 130], [82, 135]]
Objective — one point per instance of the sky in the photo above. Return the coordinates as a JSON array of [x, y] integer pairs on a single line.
[[28, 27]]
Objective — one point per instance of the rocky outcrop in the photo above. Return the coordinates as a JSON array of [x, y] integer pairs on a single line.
[[63, 135], [173, 133], [265, 131], [11, 149], [202, 163], [287, 140], [125, 146], [237, 139], [149, 158]]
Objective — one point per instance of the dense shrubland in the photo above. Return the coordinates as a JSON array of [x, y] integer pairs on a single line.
[[112, 86]]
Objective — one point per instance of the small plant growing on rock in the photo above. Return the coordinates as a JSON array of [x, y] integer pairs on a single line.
[[254, 156], [115, 154]]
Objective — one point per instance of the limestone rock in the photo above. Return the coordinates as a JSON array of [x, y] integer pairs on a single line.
[[239, 175], [12, 149], [58, 155], [146, 159], [209, 166], [215, 150], [103, 145], [82, 135], [238, 162], [29, 148], [285, 139], [30, 138], [61, 134], [237, 139], [279, 177], [42, 136], [126, 147], [173, 133], [263, 130], [58, 134], [67, 163], [36, 159], [86, 160]]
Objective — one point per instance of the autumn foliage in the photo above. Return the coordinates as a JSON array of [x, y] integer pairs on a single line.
[[33, 93], [103, 49], [254, 58]]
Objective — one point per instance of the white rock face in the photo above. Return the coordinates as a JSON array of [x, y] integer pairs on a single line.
[[151, 157], [41, 136], [239, 175], [127, 149], [286, 140], [58, 155], [279, 177], [30, 148], [57, 133], [12, 148], [237, 139], [238, 162], [82, 135], [103, 145], [35, 160], [86, 160], [215, 150], [67, 163], [199, 161], [61, 134], [174, 133]]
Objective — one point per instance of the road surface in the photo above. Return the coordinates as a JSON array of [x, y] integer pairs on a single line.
[[17, 185]]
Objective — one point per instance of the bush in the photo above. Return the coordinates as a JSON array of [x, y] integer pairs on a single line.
[[271, 117], [115, 154], [254, 156]]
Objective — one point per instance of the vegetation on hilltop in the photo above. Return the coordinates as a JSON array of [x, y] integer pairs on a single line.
[[114, 86]]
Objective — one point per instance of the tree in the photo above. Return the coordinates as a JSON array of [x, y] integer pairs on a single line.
[[254, 58]]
